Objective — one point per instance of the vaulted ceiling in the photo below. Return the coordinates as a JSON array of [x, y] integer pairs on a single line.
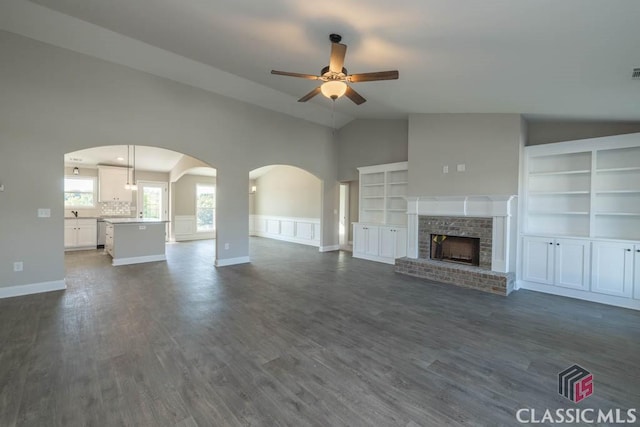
[[543, 58]]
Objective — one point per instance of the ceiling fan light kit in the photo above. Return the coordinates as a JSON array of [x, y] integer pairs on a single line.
[[335, 76]]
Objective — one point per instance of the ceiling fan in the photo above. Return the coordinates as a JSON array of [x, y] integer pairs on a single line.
[[335, 76]]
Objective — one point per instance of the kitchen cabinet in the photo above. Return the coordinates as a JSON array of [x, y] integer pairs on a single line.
[[379, 243], [80, 233], [558, 262], [111, 182], [613, 265]]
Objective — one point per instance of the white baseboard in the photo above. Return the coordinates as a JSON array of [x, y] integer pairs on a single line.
[[376, 258], [32, 288], [194, 236], [232, 261], [285, 238], [631, 303], [138, 259], [329, 248]]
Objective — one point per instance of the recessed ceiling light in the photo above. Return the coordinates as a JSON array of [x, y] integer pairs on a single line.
[[120, 159]]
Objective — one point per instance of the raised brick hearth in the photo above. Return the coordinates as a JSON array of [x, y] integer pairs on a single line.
[[477, 277]]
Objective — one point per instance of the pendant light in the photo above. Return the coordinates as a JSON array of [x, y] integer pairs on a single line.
[[134, 186], [127, 186]]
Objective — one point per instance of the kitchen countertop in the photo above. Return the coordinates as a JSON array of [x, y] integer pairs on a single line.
[[133, 221]]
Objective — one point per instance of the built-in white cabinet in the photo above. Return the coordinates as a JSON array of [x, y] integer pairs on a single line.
[[383, 191], [111, 184], [379, 243], [80, 234], [613, 265], [558, 262], [581, 219], [381, 233]]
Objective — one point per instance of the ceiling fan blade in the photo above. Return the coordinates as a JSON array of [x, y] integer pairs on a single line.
[[336, 62], [302, 76], [354, 96], [371, 77], [310, 95]]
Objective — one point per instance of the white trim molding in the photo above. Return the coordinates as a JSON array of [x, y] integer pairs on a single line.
[[329, 248], [138, 259], [32, 288], [185, 229], [232, 261], [289, 229]]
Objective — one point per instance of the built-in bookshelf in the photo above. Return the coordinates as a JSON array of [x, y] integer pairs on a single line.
[[383, 190], [591, 192]]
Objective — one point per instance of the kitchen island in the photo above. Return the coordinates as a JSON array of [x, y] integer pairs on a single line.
[[135, 240]]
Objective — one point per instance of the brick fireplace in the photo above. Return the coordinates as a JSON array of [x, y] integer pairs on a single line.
[[467, 241]]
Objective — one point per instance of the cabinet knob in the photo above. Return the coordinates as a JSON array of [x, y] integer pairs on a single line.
[[628, 250], [551, 243], [557, 244], [637, 250]]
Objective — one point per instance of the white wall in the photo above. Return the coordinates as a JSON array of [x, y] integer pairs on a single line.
[[487, 144], [288, 191], [55, 101]]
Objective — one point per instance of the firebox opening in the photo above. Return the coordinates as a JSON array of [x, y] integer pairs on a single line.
[[461, 250]]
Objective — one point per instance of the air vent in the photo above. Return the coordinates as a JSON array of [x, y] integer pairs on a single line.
[[636, 74]]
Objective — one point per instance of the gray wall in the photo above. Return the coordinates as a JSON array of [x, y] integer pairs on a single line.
[[366, 142], [488, 144], [548, 131], [55, 101], [288, 191], [184, 193], [354, 206]]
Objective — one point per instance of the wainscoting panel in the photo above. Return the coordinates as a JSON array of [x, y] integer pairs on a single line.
[[184, 229], [296, 230]]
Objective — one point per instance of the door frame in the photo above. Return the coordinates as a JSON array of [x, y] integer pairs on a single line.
[[343, 239]]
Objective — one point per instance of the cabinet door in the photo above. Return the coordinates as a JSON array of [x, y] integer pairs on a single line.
[[70, 234], [372, 240], [537, 260], [111, 185], [359, 238], [636, 272], [612, 272], [572, 263], [388, 242], [87, 233], [401, 242]]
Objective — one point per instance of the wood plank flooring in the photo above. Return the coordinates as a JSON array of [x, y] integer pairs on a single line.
[[297, 338]]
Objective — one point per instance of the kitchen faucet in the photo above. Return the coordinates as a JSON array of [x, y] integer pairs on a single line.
[[75, 213]]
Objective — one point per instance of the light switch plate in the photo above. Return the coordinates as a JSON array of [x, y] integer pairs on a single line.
[[44, 213], [445, 169], [462, 167]]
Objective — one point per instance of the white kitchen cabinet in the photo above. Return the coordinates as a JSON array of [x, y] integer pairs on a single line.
[[379, 243], [559, 262], [613, 268], [81, 233], [111, 182]]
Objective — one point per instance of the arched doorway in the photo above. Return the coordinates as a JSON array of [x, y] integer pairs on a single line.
[[115, 184], [285, 203]]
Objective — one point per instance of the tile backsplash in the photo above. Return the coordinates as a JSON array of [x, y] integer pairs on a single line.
[[115, 209]]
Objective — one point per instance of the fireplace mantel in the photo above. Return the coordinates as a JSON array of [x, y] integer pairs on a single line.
[[501, 208]]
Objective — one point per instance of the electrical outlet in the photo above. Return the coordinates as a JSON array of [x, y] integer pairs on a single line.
[[462, 167], [142, 227], [445, 169], [226, 246], [18, 266], [44, 213]]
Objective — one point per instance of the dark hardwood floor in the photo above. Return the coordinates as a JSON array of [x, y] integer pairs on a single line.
[[297, 338]]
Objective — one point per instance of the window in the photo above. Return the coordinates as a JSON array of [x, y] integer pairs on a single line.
[[79, 192], [205, 207]]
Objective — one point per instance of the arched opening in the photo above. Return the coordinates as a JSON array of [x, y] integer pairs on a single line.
[[285, 203], [129, 202]]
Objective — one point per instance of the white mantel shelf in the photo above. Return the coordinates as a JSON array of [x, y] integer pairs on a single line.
[[502, 208], [472, 206]]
